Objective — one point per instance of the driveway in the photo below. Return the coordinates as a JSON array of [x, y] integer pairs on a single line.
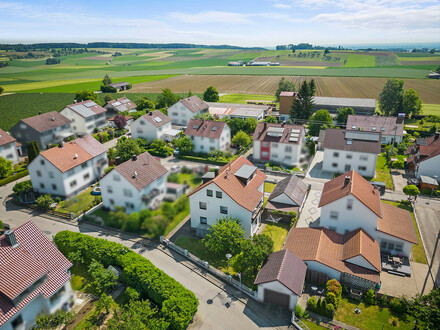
[[315, 169], [311, 212]]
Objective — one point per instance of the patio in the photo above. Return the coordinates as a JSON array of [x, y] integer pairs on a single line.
[[395, 265]]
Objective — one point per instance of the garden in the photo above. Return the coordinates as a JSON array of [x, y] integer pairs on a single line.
[[10, 173]]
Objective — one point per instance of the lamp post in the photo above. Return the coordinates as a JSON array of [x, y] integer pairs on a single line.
[[229, 256]]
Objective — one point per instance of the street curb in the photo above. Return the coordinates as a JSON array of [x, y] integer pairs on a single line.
[[428, 258]]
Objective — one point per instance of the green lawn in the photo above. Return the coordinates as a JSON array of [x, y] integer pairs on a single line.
[[312, 326], [418, 251], [371, 317], [278, 232], [431, 109], [243, 98], [269, 187], [77, 204], [80, 279], [190, 179], [383, 172]]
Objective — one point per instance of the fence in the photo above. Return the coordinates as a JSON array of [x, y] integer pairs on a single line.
[[214, 271], [48, 211]]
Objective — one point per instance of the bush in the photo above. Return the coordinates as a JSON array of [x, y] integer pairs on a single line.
[[44, 201], [177, 304], [330, 298], [132, 294], [22, 187], [173, 177], [61, 317], [330, 311], [383, 301], [103, 280], [397, 306], [312, 304], [108, 89], [399, 164], [300, 313], [370, 297], [335, 287]]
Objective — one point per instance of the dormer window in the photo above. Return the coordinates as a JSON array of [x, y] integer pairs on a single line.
[[373, 128], [353, 127], [349, 142], [195, 126], [382, 129], [214, 128]]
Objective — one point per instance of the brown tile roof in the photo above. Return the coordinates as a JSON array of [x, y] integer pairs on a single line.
[[262, 129], [281, 207], [46, 121], [122, 104], [127, 118], [5, 138], [327, 247], [142, 171], [285, 267], [336, 139], [74, 153], [397, 222], [288, 94], [194, 103], [205, 128], [95, 108], [293, 187], [357, 186], [23, 265], [150, 117], [427, 148], [358, 242], [366, 123], [247, 196]]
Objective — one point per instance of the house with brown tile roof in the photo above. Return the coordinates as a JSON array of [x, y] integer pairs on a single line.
[[345, 150], [235, 191], [10, 149], [116, 106], [288, 195], [278, 143], [424, 157], [349, 202], [390, 127], [34, 277], [47, 128], [69, 168], [239, 110], [154, 125], [352, 259], [137, 184], [186, 108], [85, 116], [208, 135], [281, 279]]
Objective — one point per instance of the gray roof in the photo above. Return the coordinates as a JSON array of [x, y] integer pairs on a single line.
[[285, 267], [293, 187], [194, 103], [247, 112], [386, 125], [86, 108], [46, 121], [119, 84], [121, 104], [238, 105], [355, 141], [344, 102], [428, 180], [245, 171], [157, 118]]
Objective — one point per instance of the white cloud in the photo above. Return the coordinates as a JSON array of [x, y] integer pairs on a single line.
[[282, 5], [210, 17]]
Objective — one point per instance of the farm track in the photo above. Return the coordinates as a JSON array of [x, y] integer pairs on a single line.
[[361, 87]]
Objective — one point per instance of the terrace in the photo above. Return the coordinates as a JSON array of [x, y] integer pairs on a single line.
[[395, 265]]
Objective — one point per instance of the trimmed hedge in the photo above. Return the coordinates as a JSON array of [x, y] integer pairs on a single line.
[[178, 304], [202, 160], [13, 177]]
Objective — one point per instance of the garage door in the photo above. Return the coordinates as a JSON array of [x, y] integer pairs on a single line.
[[276, 298]]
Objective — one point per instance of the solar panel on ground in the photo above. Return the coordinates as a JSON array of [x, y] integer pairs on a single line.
[[364, 136], [82, 110]]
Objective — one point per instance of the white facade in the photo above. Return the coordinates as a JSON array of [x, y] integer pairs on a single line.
[[48, 179], [341, 161], [319, 267], [389, 138], [429, 167], [83, 125], [142, 128], [117, 191], [277, 287], [281, 153], [39, 305], [215, 209], [206, 145], [180, 114], [9, 151], [393, 245]]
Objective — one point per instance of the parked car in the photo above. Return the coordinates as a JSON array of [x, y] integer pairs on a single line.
[[176, 152], [413, 181], [379, 185], [175, 169]]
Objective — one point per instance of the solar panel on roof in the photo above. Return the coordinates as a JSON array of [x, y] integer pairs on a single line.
[[157, 119], [90, 104], [363, 136], [245, 171], [296, 130], [275, 131], [125, 101], [294, 135], [82, 110], [293, 139], [116, 104]]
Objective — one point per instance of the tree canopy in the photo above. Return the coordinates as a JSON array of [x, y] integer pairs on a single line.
[[184, 144], [85, 95], [5, 167], [302, 106], [146, 103], [411, 102], [126, 148], [120, 121], [225, 236], [391, 97], [33, 150], [237, 124], [241, 139], [211, 94], [411, 190], [167, 98], [343, 114], [320, 119], [107, 80], [284, 85], [271, 119]]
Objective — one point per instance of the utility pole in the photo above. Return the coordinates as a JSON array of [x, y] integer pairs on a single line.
[[394, 139]]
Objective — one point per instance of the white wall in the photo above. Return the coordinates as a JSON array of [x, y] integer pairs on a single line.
[[181, 115], [142, 128], [278, 153], [317, 266], [206, 145], [83, 125], [382, 238], [277, 287], [9, 152], [429, 167], [354, 162], [361, 261]]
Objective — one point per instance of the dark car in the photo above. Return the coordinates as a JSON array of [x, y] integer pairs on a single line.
[[379, 185]]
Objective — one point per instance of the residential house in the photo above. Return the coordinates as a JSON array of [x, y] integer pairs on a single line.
[[281, 279], [85, 116], [154, 125], [352, 258], [138, 183], [288, 195], [349, 202], [238, 110], [208, 135], [236, 191], [66, 170], [128, 119], [278, 143], [424, 157], [345, 150], [390, 127], [47, 128], [34, 277], [10, 149], [122, 104], [182, 111], [121, 86]]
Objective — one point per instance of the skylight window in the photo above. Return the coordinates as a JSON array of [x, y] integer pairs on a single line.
[[373, 128], [214, 128], [353, 127], [349, 141]]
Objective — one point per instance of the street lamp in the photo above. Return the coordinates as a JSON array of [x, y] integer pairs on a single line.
[[229, 256], [239, 276]]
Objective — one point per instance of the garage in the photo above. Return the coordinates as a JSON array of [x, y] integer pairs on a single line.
[[276, 298]]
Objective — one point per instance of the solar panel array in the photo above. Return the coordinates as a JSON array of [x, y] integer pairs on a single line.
[[82, 110], [157, 119], [90, 104], [125, 101], [116, 104], [275, 131], [363, 136]]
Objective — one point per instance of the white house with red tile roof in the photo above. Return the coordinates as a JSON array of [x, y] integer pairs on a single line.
[[85, 116], [9, 147], [182, 111], [349, 202], [424, 157], [279, 143], [235, 191], [71, 167], [34, 277], [154, 125], [139, 183], [208, 135]]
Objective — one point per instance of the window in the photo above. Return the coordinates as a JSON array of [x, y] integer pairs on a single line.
[[335, 165], [223, 210], [399, 247], [203, 220], [334, 215], [202, 205], [109, 189], [332, 228], [211, 148], [349, 142], [209, 192], [275, 145], [42, 185], [42, 162], [73, 183], [362, 168], [364, 158], [373, 128], [211, 140], [347, 167], [275, 155], [349, 204], [84, 165], [17, 322], [54, 186], [288, 157], [349, 156], [142, 122], [128, 193], [383, 245], [86, 176], [218, 194], [112, 202], [38, 173], [336, 154], [265, 154], [201, 147], [129, 205], [382, 129], [265, 144], [353, 127], [390, 246], [10, 156], [116, 177], [288, 149], [51, 175], [139, 130]]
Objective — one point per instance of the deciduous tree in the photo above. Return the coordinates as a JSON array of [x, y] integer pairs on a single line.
[[126, 148], [343, 114], [103, 280], [166, 98], [391, 97], [107, 80], [120, 121], [411, 102], [145, 103], [225, 236], [320, 119], [284, 85], [85, 95], [211, 94], [241, 139], [5, 167], [184, 144], [411, 190]]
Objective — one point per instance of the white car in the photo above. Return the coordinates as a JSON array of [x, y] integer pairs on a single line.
[[175, 169]]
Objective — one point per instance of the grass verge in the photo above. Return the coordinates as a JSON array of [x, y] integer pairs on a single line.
[[269, 187], [278, 232], [383, 172], [78, 204]]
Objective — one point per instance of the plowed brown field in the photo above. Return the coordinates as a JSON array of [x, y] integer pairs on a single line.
[[429, 89]]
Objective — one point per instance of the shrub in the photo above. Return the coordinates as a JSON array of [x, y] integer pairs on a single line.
[[399, 164], [44, 201], [173, 177], [300, 313], [335, 287], [323, 308], [312, 304], [383, 301], [108, 89], [132, 294], [103, 280], [397, 306], [330, 311], [22, 187], [330, 298], [370, 297], [61, 317], [394, 321]]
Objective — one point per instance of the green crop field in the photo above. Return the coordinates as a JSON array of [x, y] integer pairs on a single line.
[[431, 109]]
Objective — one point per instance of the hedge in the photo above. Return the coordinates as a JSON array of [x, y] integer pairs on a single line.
[[178, 304], [202, 160], [13, 177]]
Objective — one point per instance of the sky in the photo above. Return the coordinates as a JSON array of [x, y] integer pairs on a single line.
[[260, 23]]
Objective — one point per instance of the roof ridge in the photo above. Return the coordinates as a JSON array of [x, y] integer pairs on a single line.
[[282, 263]]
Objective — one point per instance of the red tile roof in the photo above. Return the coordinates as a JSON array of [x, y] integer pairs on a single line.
[[19, 267], [247, 196], [285, 267], [5, 138], [359, 243], [357, 186], [397, 222], [261, 133], [46, 121], [194, 104], [205, 128], [427, 148]]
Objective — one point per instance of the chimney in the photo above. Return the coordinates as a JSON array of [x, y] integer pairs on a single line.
[[264, 126], [76, 156], [10, 238], [39, 112], [436, 135], [134, 158], [347, 180], [61, 145], [135, 174], [74, 101], [150, 113], [53, 118], [216, 170]]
